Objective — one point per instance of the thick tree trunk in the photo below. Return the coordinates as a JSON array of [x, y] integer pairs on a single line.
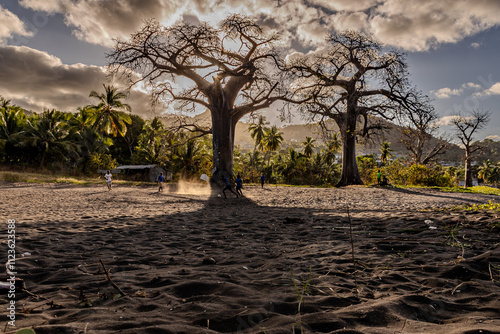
[[468, 171], [222, 140], [350, 172], [223, 127]]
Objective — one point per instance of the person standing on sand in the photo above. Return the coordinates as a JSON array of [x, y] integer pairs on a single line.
[[161, 178], [227, 187], [379, 178], [262, 179], [108, 178], [239, 185]]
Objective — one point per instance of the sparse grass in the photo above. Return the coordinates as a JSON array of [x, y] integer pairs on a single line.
[[490, 206], [301, 293], [471, 190], [43, 178], [474, 190], [28, 177]]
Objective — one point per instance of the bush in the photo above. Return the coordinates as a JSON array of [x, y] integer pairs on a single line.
[[396, 172], [418, 175], [99, 161], [367, 166]]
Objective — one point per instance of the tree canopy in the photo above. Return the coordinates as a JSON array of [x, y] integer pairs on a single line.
[[350, 81], [229, 70]]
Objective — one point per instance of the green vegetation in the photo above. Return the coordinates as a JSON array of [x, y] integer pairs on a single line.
[[64, 147], [492, 206], [26, 331], [301, 293]]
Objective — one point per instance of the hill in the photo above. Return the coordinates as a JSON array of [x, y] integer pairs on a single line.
[[295, 134]]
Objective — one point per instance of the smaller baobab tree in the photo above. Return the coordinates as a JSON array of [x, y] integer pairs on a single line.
[[349, 82], [418, 134], [465, 129]]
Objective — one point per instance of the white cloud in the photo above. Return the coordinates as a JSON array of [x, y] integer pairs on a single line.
[[411, 25], [471, 85], [494, 137], [445, 93], [420, 25], [36, 80], [11, 25], [345, 5], [475, 45], [349, 21], [493, 90], [446, 120]]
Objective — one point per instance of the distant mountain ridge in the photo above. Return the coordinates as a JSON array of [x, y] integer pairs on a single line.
[[295, 134]]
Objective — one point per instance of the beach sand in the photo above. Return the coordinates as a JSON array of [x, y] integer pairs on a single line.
[[188, 263]]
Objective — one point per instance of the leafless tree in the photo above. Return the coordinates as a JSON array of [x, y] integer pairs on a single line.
[[465, 128], [419, 135], [351, 81], [231, 70]]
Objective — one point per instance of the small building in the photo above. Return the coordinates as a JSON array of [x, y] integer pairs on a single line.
[[147, 173]]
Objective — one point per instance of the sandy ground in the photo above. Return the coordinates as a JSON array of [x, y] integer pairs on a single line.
[[188, 263]]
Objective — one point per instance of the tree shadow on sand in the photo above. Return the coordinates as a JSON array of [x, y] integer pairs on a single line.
[[436, 193], [225, 267]]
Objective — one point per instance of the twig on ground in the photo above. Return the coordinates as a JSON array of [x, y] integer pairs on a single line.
[[352, 249], [402, 328], [108, 278], [463, 283], [479, 257]]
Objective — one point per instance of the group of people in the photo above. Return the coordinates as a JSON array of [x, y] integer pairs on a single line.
[[109, 180], [227, 183], [381, 179], [239, 185]]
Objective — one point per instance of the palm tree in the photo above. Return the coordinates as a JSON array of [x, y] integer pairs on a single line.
[[109, 115], [334, 146], [191, 156], [82, 119], [272, 139], [308, 146], [385, 151], [151, 141], [258, 131], [254, 158], [487, 171], [12, 124], [12, 120], [293, 165], [49, 134], [4, 102]]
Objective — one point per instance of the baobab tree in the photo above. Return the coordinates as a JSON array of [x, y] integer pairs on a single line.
[[349, 82], [418, 131], [229, 70], [465, 129]]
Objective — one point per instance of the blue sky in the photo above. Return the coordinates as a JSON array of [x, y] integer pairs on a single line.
[[52, 52]]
